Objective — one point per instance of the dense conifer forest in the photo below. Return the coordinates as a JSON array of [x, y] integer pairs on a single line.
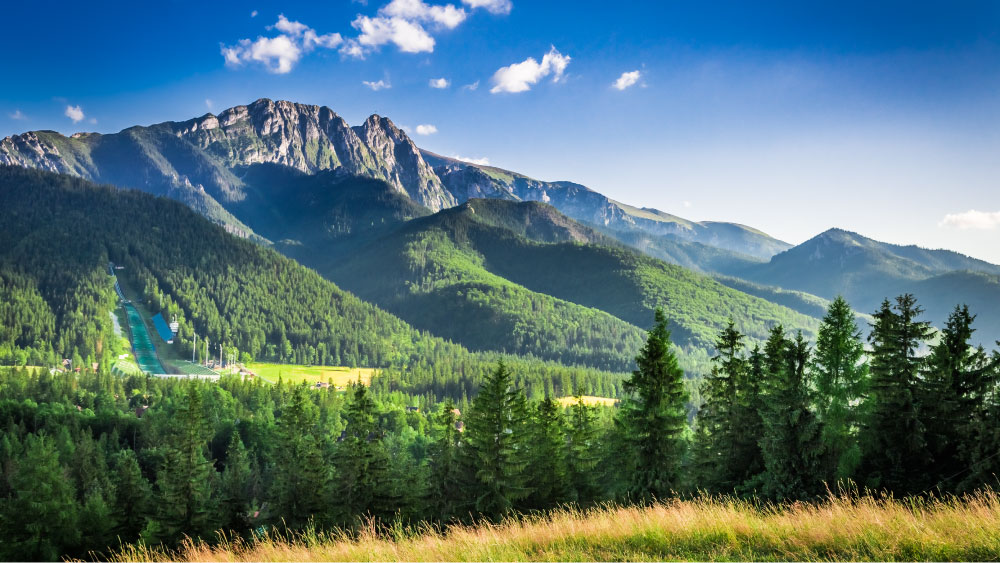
[[92, 459]]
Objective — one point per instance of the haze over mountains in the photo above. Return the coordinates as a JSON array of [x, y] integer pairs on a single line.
[[410, 231]]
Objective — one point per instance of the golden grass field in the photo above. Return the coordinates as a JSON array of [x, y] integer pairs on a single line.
[[851, 529], [290, 373], [589, 400]]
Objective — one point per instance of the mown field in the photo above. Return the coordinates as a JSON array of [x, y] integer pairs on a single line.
[[839, 529], [589, 400], [336, 375]]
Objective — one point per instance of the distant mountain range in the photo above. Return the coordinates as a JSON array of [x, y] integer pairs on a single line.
[[555, 269]]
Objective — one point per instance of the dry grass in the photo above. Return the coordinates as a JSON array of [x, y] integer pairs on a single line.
[[589, 400], [858, 529], [292, 373]]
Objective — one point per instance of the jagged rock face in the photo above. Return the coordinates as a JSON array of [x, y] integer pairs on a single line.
[[204, 152]]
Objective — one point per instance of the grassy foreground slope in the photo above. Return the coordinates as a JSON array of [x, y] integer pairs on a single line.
[[839, 529]]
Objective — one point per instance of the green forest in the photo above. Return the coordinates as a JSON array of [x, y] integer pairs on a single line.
[[91, 460]]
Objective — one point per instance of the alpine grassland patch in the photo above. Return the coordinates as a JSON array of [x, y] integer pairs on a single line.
[[844, 528], [339, 376]]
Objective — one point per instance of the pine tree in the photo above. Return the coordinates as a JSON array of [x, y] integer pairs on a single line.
[[582, 453], [186, 478], [301, 479], [547, 468], [40, 520], [654, 418], [447, 477], [841, 378], [494, 444], [893, 445], [728, 425], [363, 484], [130, 504], [957, 382], [791, 442], [234, 488]]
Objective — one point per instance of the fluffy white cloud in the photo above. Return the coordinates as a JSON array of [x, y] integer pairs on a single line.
[[439, 83], [376, 86], [480, 161], [410, 24], [280, 54], [491, 6], [972, 219], [447, 16], [519, 77], [17, 115], [627, 79], [408, 35], [426, 129], [75, 113]]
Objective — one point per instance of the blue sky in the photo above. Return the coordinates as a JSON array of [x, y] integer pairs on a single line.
[[793, 117]]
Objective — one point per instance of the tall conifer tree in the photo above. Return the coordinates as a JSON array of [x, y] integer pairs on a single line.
[[495, 444], [841, 378], [653, 416]]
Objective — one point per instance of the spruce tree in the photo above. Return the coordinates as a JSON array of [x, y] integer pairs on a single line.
[[363, 486], [186, 478], [547, 468], [893, 444], [40, 520], [791, 442], [447, 477], [301, 478], [840, 376], [130, 504], [728, 425], [958, 379], [654, 418], [234, 488], [495, 444], [583, 457]]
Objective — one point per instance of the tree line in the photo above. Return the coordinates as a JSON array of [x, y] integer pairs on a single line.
[[91, 460]]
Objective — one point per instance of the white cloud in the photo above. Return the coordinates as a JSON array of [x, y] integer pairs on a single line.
[[627, 79], [75, 113], [376, 86], [281, 53], [253, 14], [492, 6], [447, 16], [409, 36], [209, 103], [439, 83], [410, 25], [426, 129], [972, 219], [519, 77], [17, 115], [480, 161], [472, 86]]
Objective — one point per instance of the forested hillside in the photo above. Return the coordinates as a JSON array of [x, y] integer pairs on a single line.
[[537, 273], [60, 233]]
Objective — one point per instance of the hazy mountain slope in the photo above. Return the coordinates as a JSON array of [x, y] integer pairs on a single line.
[[465, 181], [866, 271], [437, 270], [319, 217]]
